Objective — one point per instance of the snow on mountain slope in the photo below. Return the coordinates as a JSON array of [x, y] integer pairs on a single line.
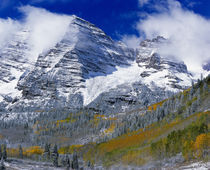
[[103, 83], [13, 63], [60, 74], [88, 68], [162, 73], [128, 75], [20, 52], [165, 72]]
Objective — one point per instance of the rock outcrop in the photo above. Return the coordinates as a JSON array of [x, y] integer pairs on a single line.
[[87, 68]]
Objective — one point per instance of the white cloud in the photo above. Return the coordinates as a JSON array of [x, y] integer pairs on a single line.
[[131, 41], [187, 32], [46, 29], [143, 2], [7, 27]]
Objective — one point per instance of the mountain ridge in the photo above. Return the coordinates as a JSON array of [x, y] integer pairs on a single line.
[[92, 97], [87, 67]]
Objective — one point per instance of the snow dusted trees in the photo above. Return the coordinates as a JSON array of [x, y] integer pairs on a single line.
[[0, 152], [20, 152], [2, 166], [55, 156], [4, 153], [68, 163], [75, 164], [65, 161], [46, 153], [88, 122]]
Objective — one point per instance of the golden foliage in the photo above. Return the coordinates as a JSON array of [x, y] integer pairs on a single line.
[[110, 129], [97, 118], [188, 149], [33, 150], [27, 152], [154, 106], [12, 152], [67, 120], [202, 143], [118, 149], [69, 149], [135, 157]]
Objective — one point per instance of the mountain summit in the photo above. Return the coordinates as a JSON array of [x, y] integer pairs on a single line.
[[86, 69]]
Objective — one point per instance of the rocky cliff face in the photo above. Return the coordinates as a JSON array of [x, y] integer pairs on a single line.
[[13, 63], [59, 76], [148, 79], [174, 75], [87, 68]]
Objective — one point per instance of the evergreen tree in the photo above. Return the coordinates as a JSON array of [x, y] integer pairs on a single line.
[[89, 164], [20, 152], [2, 166], [68, 164], [4, 153], [205, 87], [55, 156], [0, 153], [64, 160], [46, 153], [75, 164], [192, 83]]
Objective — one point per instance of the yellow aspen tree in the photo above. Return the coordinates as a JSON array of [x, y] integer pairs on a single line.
[[201, 144]]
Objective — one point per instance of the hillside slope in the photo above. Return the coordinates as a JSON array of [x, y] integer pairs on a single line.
[[145, 137], [184, 129]]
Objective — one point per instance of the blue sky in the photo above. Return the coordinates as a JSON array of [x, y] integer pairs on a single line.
[[115, 17], [184, 23]]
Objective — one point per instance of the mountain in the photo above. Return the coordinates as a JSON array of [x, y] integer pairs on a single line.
[[164, 135], [87, 69], [13, 63], [93, 98], [173, 134]]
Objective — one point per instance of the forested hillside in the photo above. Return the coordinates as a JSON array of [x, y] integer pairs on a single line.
[[178, 125]]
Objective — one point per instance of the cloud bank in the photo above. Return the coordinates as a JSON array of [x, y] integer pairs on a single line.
[[46, 29], [187, 32]]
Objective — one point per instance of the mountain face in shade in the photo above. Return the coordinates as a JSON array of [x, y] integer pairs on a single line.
[[86, 69]]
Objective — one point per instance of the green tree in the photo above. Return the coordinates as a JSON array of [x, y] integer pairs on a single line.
[[4, 153], [20, 152], [75, 164], [2, 166], [55, 156], [46, 153], [68, 164], [0, 153]]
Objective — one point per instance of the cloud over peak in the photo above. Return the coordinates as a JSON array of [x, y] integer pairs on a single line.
[[46, 28], [187, 32]]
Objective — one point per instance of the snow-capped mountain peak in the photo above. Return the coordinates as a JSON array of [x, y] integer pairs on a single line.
[[87, 68]]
